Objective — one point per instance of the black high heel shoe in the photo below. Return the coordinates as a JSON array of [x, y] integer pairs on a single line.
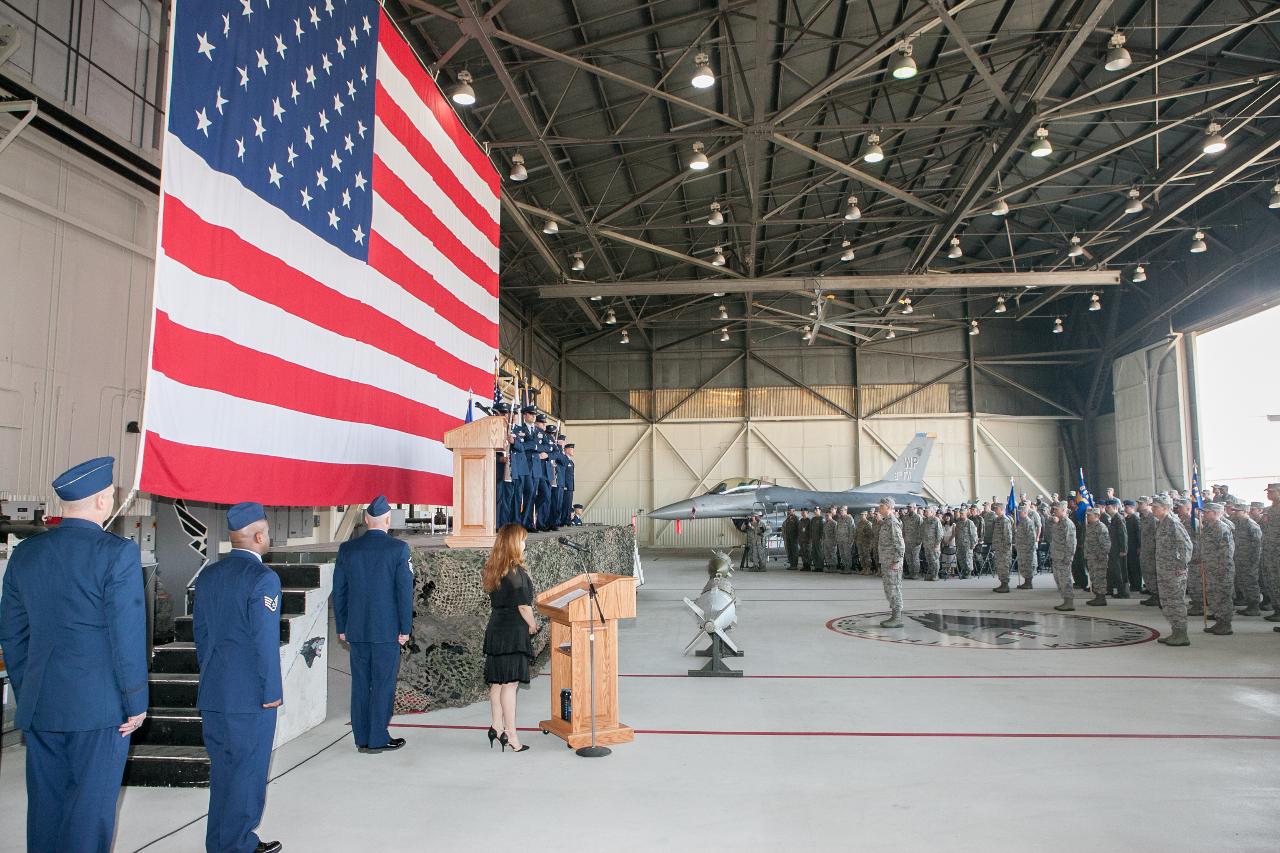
[[506, 742], [493, 735], [502, 739]]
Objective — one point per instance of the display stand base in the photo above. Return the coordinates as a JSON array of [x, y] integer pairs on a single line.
[[577, 739], [716, 667]]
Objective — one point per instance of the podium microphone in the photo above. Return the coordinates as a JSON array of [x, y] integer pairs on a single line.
[[569, 543]]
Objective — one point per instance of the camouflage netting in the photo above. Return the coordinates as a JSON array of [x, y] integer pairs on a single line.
[[444, 663]]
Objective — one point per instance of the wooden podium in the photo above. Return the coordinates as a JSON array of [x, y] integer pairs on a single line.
[[475, 481], [568, 606]]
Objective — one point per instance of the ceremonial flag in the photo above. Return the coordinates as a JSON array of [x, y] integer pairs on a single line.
[[326, 284], [1011, 505], [1197, 499], [470, 403], [1085, 499]]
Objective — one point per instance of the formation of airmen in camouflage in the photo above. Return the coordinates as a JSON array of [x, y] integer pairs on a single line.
[[1116, 548]]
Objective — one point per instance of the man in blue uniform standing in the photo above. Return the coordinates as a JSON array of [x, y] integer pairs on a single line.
[[555, 480], [566, 474], [373, 608], [539, 460], [522, 449], [73, 631], [506, 490], [237, 628]]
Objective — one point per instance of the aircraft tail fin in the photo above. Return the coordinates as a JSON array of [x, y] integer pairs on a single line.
[[907, 471]]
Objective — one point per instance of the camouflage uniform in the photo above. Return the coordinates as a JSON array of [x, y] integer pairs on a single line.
[[911, 536], [891, 548], [1039, 521], [1248, 539], [865, 539], [966, 539], [1062, 548], [1173, 556], [1217, 553], [930, 532], [752, 547], [802, 542], [988, 525], [830, 553], [1097, 553], [1024, 539], [1002, 546], [1147, 550], [1269, 568], [845, 534]]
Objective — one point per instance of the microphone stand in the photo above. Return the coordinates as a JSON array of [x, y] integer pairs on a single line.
[[593, 751]]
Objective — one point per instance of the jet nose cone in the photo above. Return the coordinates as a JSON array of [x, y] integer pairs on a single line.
[[673, 512]]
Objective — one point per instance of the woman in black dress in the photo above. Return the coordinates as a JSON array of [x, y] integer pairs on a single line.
[[508, 639]]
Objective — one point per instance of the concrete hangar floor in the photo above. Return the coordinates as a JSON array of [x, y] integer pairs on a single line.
[[834, 739]]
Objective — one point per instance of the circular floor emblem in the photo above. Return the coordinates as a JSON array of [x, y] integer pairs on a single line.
[[995, 629]]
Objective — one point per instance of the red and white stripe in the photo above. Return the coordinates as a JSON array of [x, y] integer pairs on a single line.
[[287, 372]]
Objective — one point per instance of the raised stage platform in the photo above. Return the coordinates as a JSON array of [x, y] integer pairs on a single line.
[[443, 662]]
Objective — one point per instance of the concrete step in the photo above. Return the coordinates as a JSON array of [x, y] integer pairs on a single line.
[[170, 727], [154, 766], [174, 689], [175, 657], [297, 575]]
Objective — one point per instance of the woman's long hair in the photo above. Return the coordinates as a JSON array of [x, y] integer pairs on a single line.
[[505, 556]]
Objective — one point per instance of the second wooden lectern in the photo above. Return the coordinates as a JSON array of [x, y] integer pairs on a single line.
[[568, 606], [475, 481]]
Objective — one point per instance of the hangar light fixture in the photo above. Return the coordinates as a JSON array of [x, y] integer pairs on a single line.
[[703, 77], [852, 211], [550, 226], [718, 294], [1076, 249], [723, 313], [1001, 208], [847, 254], [1274, 203], [461, 92], [1095, 302], [518, 171], [610, 318], [903, 66], [1117, 58], [1198, 244], [890, 335], [698, 162], [717, 259], [626, 338], [1000, 306], [578, 264], [1134, 204], [1041, 147], [808, 334], [1214, 142], [1057, 325], [717, 216], [973, 328], [873, 153], [907, 307], [724, 335], [596, 298], [955, 251], [1139, 274]]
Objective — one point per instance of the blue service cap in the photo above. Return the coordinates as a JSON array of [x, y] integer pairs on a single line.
[[569, 445], [85, 479], [1129, 502], [528, 410], [378, 506], [242, 515], [551, 427], [541, 419]]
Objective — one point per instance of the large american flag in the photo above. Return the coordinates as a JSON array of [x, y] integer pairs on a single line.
[[326, 291]]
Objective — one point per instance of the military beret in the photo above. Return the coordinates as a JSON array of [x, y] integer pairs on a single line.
[[1162, 500], [378, 507], [541, 419], [242, 515], [528, 410], [85, 479], [1113, 502], [1213, 506], [1129, 502]]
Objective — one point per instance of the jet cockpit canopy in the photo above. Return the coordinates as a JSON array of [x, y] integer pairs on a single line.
[[738, 484]]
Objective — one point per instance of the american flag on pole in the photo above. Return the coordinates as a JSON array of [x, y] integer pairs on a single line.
[[327, 273]]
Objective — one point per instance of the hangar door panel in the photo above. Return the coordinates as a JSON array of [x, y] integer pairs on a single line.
[[1150, 420]]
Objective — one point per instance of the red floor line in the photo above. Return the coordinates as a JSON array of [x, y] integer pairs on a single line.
[[1042, 735], [985, 677]]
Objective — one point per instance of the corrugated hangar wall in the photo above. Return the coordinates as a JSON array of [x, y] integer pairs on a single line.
[[652, 428]]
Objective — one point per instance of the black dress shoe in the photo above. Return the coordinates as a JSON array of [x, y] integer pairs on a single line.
[[393, 744], [268, 847]]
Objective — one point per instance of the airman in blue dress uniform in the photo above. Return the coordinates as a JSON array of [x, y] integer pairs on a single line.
[[73, 629], [506, 514], [565, 511], [555, 481], [539, 461], [373, 608], [524, 460], [237, 629]]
